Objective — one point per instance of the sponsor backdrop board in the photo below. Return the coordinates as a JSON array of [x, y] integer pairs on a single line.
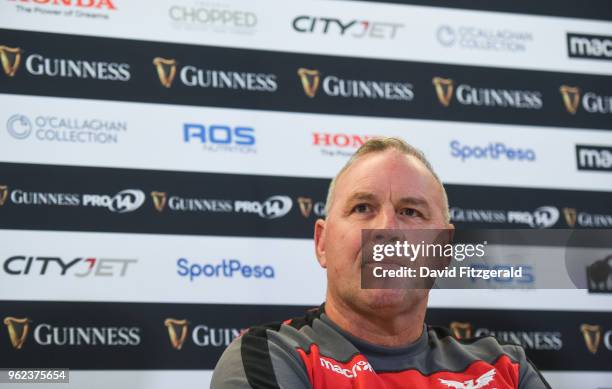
[[159, 184]]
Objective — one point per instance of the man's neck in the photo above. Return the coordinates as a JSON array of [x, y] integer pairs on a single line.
[[376, 327]]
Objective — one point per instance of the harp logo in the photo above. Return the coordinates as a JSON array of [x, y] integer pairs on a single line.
[[3, 194], [166, 70], [305, 206], [571, 98], [461, 330], [11, 59], [177, 331], [310, 81], [159, 200], [570, 216], [592, 337], [18, 330], [444, 90]]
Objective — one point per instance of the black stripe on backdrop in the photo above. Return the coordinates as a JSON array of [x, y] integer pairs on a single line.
[[583, 9], [523, 97], [51, 197], [135, 335]]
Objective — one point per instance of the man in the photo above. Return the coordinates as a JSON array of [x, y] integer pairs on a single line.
[[372, 338]]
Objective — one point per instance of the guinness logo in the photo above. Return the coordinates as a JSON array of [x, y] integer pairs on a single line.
[[571, 98], [592, 336], [310, 81], [570, 216], [3, 194], [166, 70], [444, 90], [159, 200], [461, 330], [11, 59], [18, 330], [305, 206], [177, 331]]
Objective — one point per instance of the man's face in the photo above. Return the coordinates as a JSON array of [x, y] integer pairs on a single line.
[[386, 190]]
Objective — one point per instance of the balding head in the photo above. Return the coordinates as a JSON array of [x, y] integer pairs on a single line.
[[380, 145]]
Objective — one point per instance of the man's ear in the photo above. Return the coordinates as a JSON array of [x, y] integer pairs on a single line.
[[319, 238]]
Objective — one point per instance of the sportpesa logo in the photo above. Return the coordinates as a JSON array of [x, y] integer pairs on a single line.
[[335, 86], [192, 76], [485, 97]]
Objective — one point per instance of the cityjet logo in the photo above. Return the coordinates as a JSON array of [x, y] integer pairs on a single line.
[[63, 129], [594, 158], [358, 368], [593, 335], [21, 265], [272, 208], [46, 334], [338, 144], [39, 65], [201, 334], [574, 218], [589, 46], [531, 340], [542, 217], [192, 76], [349, 28], [99, 4], [591, 102], [488, 97], [127, 200], [334, 86]]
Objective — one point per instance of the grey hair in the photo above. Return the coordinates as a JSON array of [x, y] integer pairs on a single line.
[[378, 145]]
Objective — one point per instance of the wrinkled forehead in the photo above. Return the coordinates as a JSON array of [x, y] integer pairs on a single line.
[[388, 175]]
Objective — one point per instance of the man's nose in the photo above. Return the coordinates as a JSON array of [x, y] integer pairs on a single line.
[[387, 219]]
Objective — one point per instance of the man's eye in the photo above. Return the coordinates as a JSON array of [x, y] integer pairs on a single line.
[[361, 208], [410, 212]]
